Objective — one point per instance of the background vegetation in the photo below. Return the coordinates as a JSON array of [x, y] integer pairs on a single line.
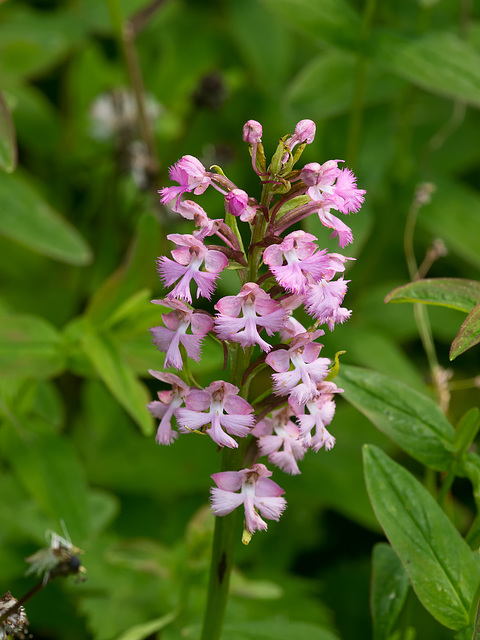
[[394, 90]]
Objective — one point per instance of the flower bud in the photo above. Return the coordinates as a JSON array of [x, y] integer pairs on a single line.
[[252, 132], [236, 202], [305, 131]]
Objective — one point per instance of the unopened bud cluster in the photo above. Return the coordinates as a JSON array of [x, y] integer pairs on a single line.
[[279, 272]]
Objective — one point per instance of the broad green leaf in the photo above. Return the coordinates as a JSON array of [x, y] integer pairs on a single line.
[[443, 570], [332, 21], [439, 62], [141, 631], [118, 377], [381, 352], [455, 293], [29, 347], [48, 468], [413, 421], [316, 88], [8, 143], [38, 124], [389, 589], [467, 633], [461, 231], [250, 21], [32, 41], [466, 429], [469, 334], [136, 274], [29, 220], [276, 629]]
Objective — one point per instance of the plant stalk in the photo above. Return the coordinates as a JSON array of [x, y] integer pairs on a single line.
[[226, 527]]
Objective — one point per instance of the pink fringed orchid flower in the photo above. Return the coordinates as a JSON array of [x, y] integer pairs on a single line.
[[167, 405], [240, 316], [308, 369], [252, 488], [280, 439], [189, 256], [174, 333], [220, 407]]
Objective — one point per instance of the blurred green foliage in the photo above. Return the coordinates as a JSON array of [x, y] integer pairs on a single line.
[[394, 90]]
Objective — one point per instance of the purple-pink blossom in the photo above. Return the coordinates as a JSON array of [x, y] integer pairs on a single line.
[[347, 196], [174, 333], [240, 316], [321, 410], [252, 488], [191, 176], [299, 251], [252, 133], [236, 203], [300, 383], [167, 405], [189, 255], [340, 229], [335, 187], [324, 299], [220, 407], [280, 439], [304, 133]]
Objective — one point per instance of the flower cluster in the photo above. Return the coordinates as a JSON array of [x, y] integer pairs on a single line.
[[279, 272]]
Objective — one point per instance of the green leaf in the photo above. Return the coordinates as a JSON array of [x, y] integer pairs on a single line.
[[138, 273], [466, 430], [332, 21], [443, 570], [48, 468], [438, 62], [467, 633], [469, 334], [29, 220], [8, 144], [455, 293], [388, 591], [141, 631], [413, 421], [249, 23], [316, 88], [118, 377], [275, 629], [32, 41], [461, 231], [29, 347]]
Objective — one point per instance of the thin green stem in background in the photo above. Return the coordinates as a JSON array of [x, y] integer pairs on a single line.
[[422, 319]]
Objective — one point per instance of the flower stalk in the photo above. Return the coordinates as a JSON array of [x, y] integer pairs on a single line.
[[255, 326]]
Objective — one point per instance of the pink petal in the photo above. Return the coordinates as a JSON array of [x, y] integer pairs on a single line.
[[271, 508], [237, 405], [215, 261], [266, 488], [192, 419], [228, 480], [201, 323], [253, 521], [279, 360], [224, 502]]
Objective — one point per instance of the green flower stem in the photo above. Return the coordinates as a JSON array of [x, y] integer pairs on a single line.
[[224, 539], [226, 527]]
